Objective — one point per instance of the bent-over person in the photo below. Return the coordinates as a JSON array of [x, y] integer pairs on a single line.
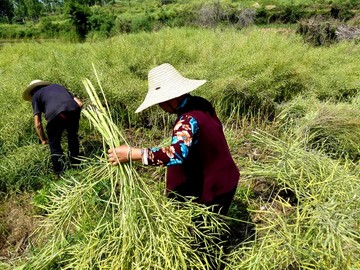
[[62, 112]]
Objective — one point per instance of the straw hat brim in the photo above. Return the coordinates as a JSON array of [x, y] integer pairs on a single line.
[[168, 92], [26, 94]]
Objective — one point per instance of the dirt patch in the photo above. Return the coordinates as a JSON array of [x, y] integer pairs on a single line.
[[17, 222]]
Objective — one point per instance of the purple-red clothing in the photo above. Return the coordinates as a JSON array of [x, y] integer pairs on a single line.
[[209, 171], [206, 168]]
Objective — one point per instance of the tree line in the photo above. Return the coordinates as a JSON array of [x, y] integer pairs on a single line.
[[78, 20], [20, 11]]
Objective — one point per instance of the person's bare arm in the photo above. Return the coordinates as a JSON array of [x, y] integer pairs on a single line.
[[123, 153], [79, 102], [39, 128]]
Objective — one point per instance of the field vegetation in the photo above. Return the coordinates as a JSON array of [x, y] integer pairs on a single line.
[[80, 20], [291, 113]]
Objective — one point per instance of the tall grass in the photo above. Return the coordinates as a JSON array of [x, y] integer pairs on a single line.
[[250, 71], [112, 219], [321, 231], [328, 127], [25, 168]]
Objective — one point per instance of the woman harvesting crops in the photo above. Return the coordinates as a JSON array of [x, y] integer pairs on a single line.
[[199, 163]]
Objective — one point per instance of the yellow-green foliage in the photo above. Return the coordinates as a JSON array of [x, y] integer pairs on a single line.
[[321, 230], [249, 72], [109, 218], [331, 128], [24, 168], [254, 69]]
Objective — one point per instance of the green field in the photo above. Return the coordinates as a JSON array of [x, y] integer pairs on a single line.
[[82, 20], [291, 114]]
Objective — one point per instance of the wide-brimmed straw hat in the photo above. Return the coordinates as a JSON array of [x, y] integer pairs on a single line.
[[32, 85], [166, 83]]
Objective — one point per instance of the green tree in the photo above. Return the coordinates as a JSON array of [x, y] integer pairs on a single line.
[[20, 10], [27, 9], [34, 9], [80, 2], [79, 15], [89, 3], [6, 11], [52, 6]]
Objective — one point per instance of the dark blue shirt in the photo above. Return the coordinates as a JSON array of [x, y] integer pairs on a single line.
[[52, 100]]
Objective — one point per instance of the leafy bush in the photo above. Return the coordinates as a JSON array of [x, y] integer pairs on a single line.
[[342, 11], [79, 15], [210, 14], [290, 14], [48, 28], [141, 23], [318, 30], [101, 21], [18, 31], [56, 28], [246, 18], [123, 23]]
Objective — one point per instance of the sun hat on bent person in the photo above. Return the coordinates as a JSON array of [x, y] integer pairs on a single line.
[[166, 83], [32, 85]]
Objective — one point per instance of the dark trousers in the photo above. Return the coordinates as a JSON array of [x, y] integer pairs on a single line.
[[221, 203], [68, 121]]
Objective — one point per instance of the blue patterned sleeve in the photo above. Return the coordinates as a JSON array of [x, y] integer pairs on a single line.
[[184, 135]]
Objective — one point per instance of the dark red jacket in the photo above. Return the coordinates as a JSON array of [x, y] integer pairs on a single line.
[[209, 170]]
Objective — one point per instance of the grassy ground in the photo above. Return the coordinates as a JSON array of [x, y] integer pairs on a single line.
[[290, 113]]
